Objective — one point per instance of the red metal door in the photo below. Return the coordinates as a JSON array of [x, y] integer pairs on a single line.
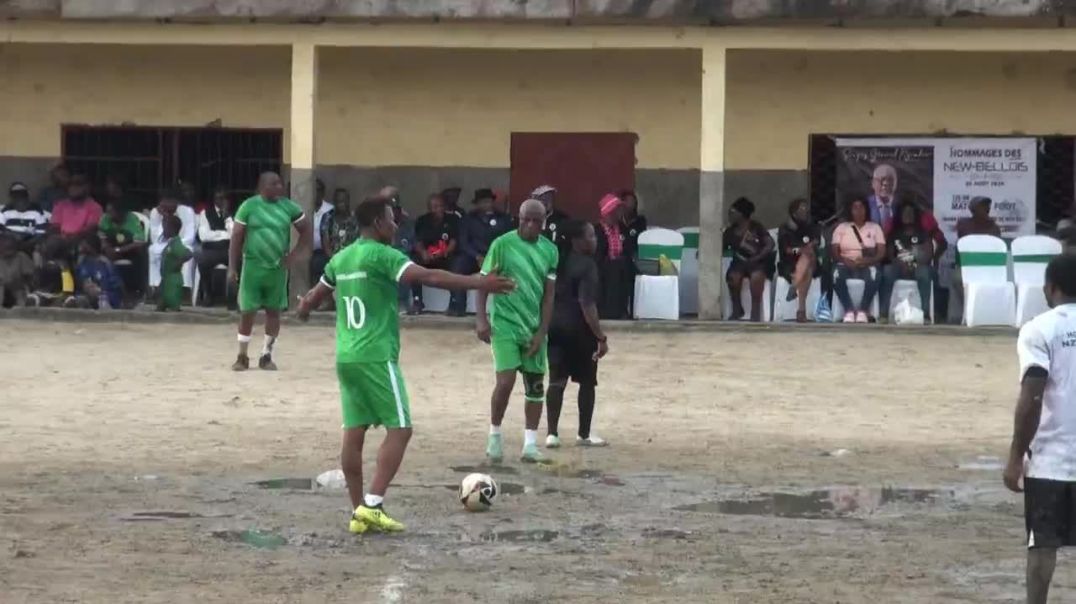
[[583, 166]]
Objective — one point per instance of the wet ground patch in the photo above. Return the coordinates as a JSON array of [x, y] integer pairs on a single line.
[[295, 484], [519, 536], [839, 502], [159, 516], [485, 469]]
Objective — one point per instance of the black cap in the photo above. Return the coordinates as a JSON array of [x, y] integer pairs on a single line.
[[483, 194]]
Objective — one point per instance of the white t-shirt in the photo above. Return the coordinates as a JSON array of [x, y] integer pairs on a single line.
[[1049, 341]]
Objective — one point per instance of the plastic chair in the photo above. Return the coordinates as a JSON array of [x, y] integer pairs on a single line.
[[784, 309], [989, 297], [689, 271], [1030, 255], [658, 297], [438, 300], [856, 288]]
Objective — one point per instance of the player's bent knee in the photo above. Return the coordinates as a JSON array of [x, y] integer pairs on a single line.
[[534, 387]]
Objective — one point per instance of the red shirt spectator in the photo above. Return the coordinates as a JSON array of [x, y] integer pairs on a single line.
[[79, 213], [927, 222]]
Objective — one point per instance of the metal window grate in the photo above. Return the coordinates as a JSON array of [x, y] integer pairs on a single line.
[[148, 159]]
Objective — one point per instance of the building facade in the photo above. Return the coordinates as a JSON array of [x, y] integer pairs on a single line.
[[723, 97]]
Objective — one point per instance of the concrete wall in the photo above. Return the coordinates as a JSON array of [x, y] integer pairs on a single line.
[[426, 119], [45, 86]]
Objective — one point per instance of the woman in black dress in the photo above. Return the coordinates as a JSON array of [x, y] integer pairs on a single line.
[[632, 224], [752, 257], [797, 246]]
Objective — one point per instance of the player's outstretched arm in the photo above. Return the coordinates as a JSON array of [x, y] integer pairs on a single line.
[[312, 300], [491, 283]]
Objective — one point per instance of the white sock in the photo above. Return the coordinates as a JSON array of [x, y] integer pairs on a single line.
[[494, 430], [372, 501], [244, 342], [267, 347], [530, 437]]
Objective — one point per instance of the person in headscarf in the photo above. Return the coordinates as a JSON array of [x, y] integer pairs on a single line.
[[752, 257], [614, 266]]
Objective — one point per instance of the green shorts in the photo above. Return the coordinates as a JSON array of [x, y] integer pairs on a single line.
[[373, 394], [263, 288], [509, 354]]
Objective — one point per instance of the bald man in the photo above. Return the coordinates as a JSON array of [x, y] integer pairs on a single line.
[[518, 322], [262, 238], [883, 200]]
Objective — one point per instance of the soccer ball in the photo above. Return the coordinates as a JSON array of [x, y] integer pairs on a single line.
[[477, 492]]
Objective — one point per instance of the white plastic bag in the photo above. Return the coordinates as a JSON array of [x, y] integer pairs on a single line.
[[906, 314]]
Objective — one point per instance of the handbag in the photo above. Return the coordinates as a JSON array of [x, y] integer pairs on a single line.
[[863, 250]]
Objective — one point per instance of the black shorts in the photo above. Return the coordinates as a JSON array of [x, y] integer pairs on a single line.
[[1049, 513], [571, 355]]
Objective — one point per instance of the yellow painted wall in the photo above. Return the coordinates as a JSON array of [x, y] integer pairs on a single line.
[[778, 98], [459, 107], [44, 86]]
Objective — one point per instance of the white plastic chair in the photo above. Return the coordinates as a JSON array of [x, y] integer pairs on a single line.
[[689, 271], [989, 296], [1030, 255], [658, 297], [438, 300], [856, 289], [784, 309]]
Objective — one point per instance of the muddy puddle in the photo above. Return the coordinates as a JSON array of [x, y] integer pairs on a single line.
[[512, 536], [819, 504], [297, 484]]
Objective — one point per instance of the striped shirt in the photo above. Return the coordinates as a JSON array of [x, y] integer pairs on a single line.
[[27, 223], [268, 230]]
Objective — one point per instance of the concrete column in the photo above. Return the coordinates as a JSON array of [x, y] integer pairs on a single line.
[[711, 181], [304, 93]]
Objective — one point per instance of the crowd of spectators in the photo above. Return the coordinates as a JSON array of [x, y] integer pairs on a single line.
[[64, 247]]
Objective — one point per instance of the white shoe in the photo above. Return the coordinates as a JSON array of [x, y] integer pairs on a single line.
[[861, 317], [593, 441], [552, 442], [849, 317]]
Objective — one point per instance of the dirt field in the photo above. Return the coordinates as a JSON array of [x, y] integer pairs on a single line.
[[104, 427]]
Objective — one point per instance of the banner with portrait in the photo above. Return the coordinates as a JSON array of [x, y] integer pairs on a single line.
[[944, 174]]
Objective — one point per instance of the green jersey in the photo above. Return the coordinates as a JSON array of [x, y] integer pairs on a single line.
[[518, 315], [365, 276], [268, 225], [128, 231]]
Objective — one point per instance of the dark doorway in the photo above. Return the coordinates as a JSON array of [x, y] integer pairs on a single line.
[[582, 166], [148, 159]]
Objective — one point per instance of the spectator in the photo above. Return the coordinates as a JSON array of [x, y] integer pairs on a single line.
[[798, 239], [319, 258], [168, 205], [553, 217], [188, 196], [96, 279], [576, 339], [215, 233], [79, 214], [500, 202], [980, 223], [404, 239], [858, 247], [26, 222], [752, 257], [882, 201], [339, 228], [613, 262], [54, 283], [910, 256], [174, 255], [16, 272], [451, 196], [124, 238], [632, 223], [59, 179], [477, 231], [436, 236]]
